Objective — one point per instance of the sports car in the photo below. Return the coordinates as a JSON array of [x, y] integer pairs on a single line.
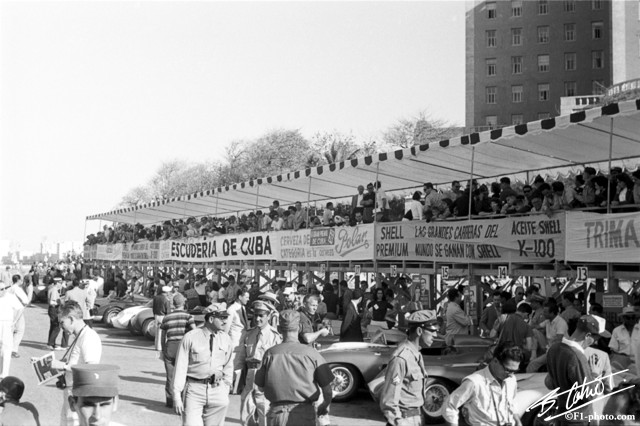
[[107, 309], [123, 318], [355, 364], [143, 323]]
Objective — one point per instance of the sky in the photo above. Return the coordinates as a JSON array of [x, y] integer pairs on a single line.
[[95, 96]]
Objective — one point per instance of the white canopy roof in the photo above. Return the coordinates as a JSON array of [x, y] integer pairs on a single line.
[[559, 142]]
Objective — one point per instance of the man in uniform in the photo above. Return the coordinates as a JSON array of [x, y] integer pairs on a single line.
[[204, 371], [402, 392], [260, 338], [294, 377], [95, 393]]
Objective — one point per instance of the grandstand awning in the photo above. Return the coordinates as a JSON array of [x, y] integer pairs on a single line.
[[561, 142]]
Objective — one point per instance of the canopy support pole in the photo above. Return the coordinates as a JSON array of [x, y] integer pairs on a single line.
[[470, 185], [217, 198], [308, 205], [609, 175], [85, 229], [257, 195], [608, 194], [375, 201]]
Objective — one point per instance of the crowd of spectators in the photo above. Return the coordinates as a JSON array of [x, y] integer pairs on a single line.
[[620, 190]]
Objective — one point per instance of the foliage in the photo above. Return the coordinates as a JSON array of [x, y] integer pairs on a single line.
[[418, 130], [336, 147]]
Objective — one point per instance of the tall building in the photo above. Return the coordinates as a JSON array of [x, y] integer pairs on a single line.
[[522, 56]]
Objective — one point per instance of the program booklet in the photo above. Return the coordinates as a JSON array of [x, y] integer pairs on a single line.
[[43, 369]]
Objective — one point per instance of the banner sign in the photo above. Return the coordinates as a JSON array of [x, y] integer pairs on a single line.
[[593, 237], [525, 239], [305, 245], [323, 244]]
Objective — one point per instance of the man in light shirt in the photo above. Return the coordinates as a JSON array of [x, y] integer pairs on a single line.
[[556, 329], [625, 338], [488, 394], [18, 326]]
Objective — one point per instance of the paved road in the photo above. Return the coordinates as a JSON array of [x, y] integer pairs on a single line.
[[141, 381]]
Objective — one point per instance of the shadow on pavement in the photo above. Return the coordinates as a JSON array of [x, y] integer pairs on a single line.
[[154, 373], [149, 404], [360, 407], [142, 380], [35, 345]]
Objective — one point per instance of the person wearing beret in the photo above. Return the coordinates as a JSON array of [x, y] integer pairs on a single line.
[[402, 393], [254, 405], [204, 371], [94, 396], [295, 379]]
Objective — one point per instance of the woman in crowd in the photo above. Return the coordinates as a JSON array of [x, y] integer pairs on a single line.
[[379, 308]]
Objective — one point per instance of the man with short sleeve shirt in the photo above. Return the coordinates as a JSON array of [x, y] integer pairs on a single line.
[[236, 327], [310, 324], [173, 328], [86, 348], [204, 371], [294, 377], [161, 307]]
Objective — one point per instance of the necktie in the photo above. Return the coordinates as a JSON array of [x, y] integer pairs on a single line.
[[245, 320], [211, 343]]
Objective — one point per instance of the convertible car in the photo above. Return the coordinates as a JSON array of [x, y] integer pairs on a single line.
[[356, 364], [143, 323], [107, 309]]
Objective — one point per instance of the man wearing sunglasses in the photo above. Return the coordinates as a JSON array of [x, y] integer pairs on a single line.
[[488, 394], [403, 390]]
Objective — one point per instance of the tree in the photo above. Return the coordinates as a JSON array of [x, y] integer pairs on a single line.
[[418, 130], [136, 196]]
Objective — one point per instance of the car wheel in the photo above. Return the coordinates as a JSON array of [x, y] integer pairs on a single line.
[[435, 394], [345, 383], [149, 329], [109, 315], [132, 329]]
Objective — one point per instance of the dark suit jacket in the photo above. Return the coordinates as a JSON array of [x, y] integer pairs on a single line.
[[350, 330]]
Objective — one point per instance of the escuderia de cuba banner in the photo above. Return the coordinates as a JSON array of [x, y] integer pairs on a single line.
[[523, 239], [593, 237], [305, 245]]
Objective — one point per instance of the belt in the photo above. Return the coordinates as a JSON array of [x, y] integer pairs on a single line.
[[409, 412], [207, 381], [277, 404]]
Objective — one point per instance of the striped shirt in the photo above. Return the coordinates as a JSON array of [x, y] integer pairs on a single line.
[[176, 324]]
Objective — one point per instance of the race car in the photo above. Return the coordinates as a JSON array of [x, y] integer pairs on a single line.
[[355, 364]]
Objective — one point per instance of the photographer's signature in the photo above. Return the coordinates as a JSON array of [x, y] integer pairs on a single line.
[[592, 390]]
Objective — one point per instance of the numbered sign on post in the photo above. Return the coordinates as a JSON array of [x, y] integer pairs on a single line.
[[323, 268], [583, 273], [445, 272], [394, 271], [356, 269], [503, 272], [294, 267]]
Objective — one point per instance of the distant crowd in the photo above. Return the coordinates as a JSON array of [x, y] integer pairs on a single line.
[[619, 190]]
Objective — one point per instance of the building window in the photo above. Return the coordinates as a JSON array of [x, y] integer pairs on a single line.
[[543, 115], [596, 4], [543, 92], [491, 66], [516, 7], [516, 94], [570, 88], [596, 30], [491, 38], [490, 95], [597, 87], [569, 5], [516, 64], [570, 61], [543, 7], [543, 34], [597, 59], [491, 121], [517, 119], [491, 10], [516, 36], [569, 32], [543, 63]]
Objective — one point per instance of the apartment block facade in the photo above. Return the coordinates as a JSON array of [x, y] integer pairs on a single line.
[[522, 56]]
